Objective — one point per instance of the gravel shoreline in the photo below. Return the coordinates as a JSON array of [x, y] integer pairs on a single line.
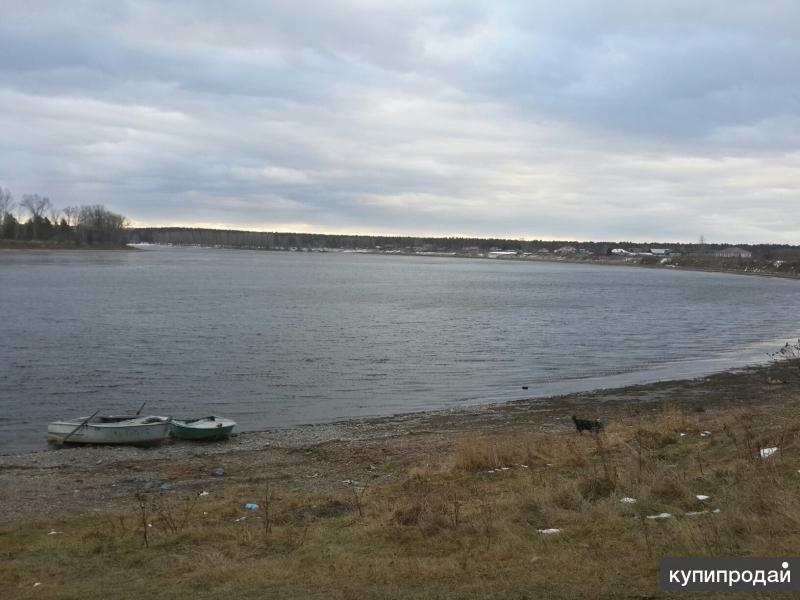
[[81, 480]]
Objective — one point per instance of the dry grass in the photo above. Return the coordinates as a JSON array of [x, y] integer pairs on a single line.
[[467, 526]]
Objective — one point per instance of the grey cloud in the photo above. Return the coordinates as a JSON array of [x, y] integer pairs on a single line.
[[581, 119]]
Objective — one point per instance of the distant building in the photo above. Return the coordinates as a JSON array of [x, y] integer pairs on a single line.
[[543, 251], [733, 252], [566, 250], [619, 251], [496, 253], [661, 251]]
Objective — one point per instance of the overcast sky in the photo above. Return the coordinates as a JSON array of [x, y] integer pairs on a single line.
[[640, 120]]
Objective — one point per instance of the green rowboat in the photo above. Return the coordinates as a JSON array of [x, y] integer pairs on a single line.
[[204, 428]]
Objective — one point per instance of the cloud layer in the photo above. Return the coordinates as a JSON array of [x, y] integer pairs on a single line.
[[579, 119]]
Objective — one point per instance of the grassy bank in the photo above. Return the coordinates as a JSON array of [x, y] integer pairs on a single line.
[[452, 520]]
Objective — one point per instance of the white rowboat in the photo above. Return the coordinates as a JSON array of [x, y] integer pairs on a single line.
[[110, 430]]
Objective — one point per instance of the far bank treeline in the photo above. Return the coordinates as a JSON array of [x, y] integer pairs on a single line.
[[185, 236], [34, 220]]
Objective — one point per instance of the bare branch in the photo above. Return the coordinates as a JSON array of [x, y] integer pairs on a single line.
[[35, 204], [7, 203]]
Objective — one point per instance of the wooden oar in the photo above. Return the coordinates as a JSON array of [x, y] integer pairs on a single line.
[[64, 441], [141, 407]]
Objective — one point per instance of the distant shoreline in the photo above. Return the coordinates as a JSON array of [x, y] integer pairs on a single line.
[[760, 271], [50, 245], [752, 268], [622, 263]]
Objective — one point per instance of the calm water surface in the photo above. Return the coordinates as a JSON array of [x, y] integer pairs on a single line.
[[273, 338]]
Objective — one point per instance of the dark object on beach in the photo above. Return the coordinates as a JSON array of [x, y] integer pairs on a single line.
[[587, 425]]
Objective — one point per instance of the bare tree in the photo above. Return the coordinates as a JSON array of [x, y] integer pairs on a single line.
[[53, 213], [8, 223], [96, 225], [6, 202], [71, 215], [36, 205]]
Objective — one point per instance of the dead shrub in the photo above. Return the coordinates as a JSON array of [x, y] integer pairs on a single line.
[[565, 497], [654, 439], [534, 512], [408, 515], [669, 489], [426, 506], [482, 454], [673, 419], [596, 488], [429, 515], [326, 510]]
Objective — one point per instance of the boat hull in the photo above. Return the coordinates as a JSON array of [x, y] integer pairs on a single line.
[[134, 432], [208, 428]]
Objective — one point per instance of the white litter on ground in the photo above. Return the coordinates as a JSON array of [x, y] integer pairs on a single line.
[[37, 584], [767, 452], [705, 433], [694, 513], [549, 531], [660, 516], [683, 435], [203, 493], [628, 500], [524, 466], [702, 497], [54, 532]]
